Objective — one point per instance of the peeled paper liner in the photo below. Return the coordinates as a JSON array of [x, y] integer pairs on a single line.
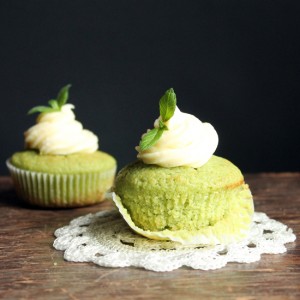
[[104, 238], [224, 231]]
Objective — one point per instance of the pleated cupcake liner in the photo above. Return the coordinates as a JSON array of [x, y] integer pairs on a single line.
[[61, 190]]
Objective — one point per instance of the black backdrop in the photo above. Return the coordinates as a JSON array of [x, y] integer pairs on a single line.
[[235, 64]]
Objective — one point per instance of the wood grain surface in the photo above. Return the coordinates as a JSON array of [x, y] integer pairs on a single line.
[[30, 268]]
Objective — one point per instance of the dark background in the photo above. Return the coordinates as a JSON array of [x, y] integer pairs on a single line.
[[235, 64]]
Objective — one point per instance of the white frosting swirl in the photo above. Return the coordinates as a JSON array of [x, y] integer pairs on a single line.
[[188, 142], [59, 133]]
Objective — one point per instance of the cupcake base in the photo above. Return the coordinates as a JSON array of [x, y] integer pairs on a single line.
[[232, 228], [61, 190]]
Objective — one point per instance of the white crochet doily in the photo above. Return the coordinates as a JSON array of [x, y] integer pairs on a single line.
[[105, 239]]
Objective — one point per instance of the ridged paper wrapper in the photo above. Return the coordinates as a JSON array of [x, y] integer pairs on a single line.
[[61, 190]]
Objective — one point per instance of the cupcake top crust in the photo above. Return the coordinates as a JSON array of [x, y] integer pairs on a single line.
[[56, 131], [177, 139], [76, 163]]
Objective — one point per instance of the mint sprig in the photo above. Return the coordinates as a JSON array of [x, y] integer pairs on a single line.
[[167, 106], [54, 104]]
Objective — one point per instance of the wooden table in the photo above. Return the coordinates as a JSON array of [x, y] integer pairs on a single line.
[[30, 268]]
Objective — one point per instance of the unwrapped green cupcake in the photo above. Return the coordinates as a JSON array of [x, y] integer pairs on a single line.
[[178, 190], [61, 165]]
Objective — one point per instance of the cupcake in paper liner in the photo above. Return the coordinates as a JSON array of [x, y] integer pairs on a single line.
[[61, 165], [178, 190]]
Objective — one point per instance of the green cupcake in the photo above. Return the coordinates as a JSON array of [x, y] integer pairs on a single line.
[[208, 204], [61, 166], [178, 190]]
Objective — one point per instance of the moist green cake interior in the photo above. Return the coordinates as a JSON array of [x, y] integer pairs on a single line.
[[182, 197], [63, 164]]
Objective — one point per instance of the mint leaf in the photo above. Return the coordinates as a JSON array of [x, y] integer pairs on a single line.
[[167, 105], [63, 95], [150, 138], [54, 104], [40, 109]]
